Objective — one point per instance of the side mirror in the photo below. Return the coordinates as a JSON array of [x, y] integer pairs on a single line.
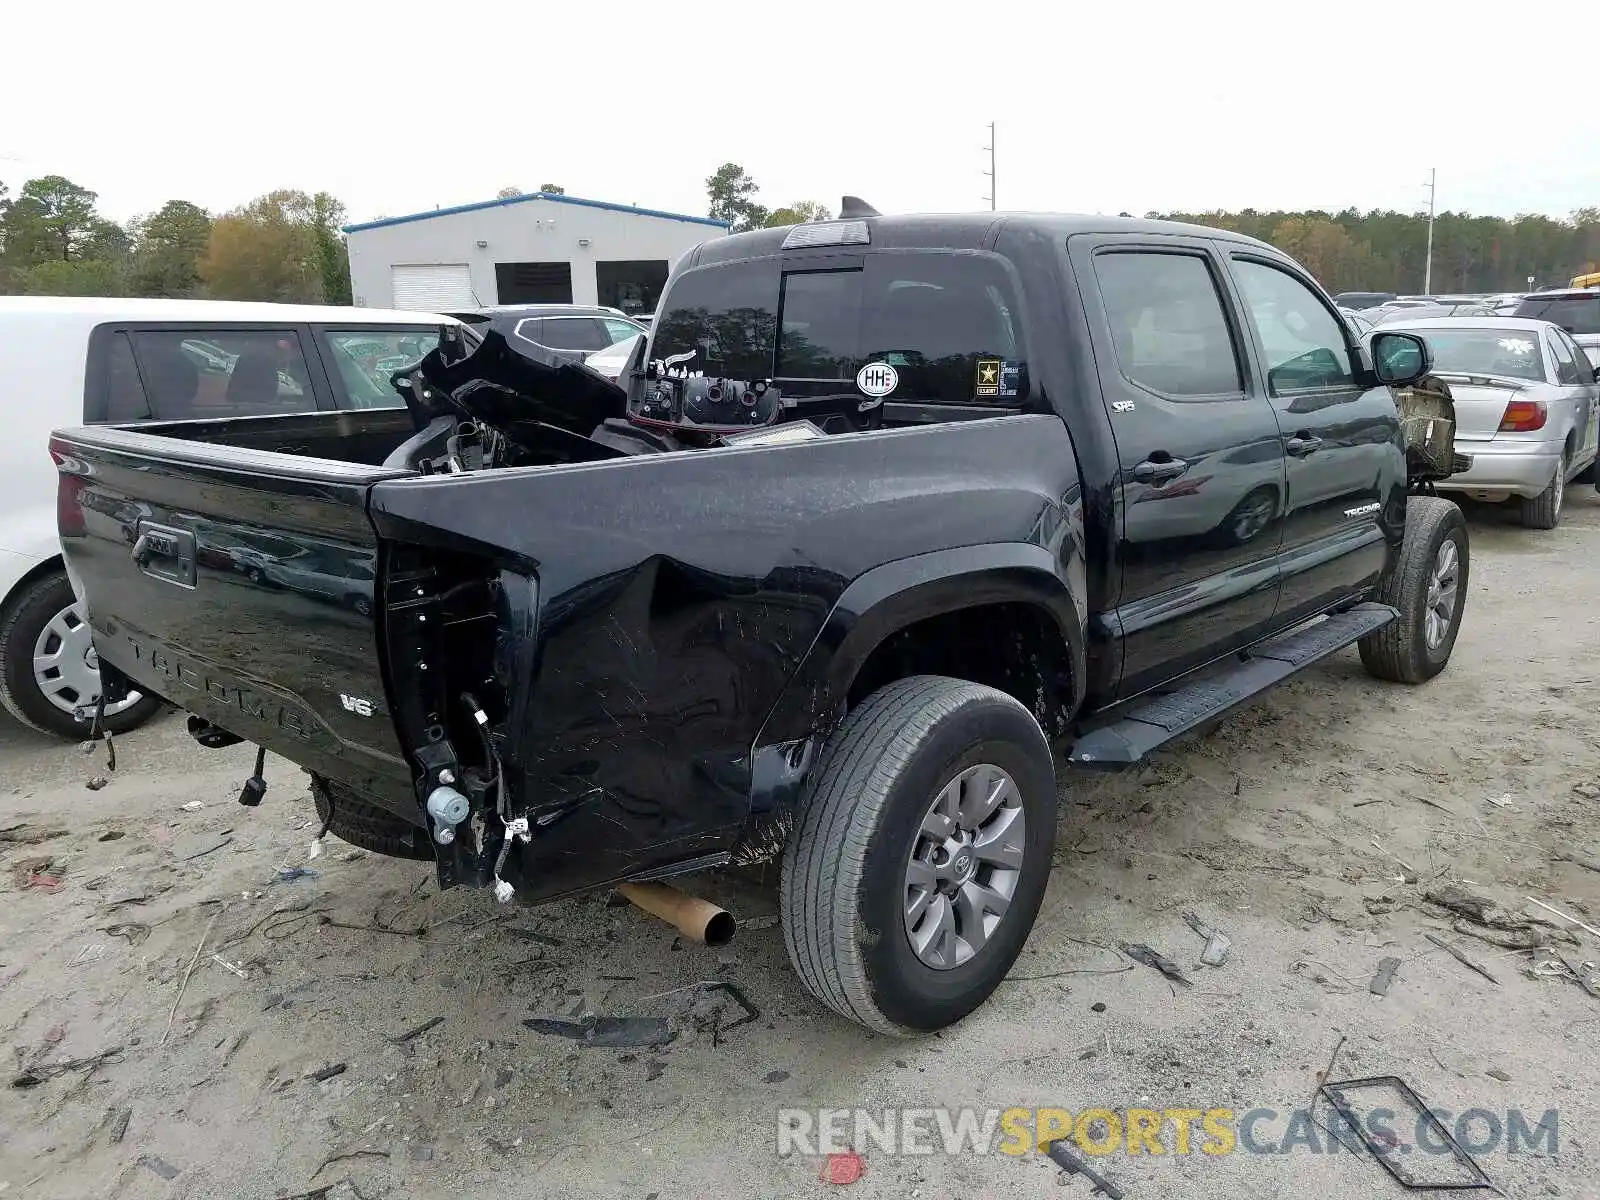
[[1400, 358]]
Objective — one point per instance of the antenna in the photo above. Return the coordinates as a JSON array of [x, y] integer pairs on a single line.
[[990, 172]]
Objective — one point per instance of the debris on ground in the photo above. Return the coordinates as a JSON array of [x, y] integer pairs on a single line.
[[1550, 908], [1071, 1164], [1217, 944], [1384, 977], [159, 1165], [293, 873], [1445, 1166], [1589, 789], [198, 845], [1478, 908], [323, 1074], [417, 1030], [36, 873], [193, 806], [24, 834], [1152, 958], [117, 1124], [1460, 956], [843, 1168], [231, 968], [1587, 862], [606, 1031], [95, 782], [43, 1072]]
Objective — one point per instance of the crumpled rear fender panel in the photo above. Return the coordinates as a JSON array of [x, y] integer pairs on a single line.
[[679, 593]]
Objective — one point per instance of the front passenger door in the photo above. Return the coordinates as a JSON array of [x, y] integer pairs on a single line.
[[1346, 461]]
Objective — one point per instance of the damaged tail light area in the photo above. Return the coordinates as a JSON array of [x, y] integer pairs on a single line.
[[458, 632], [69, 494], [1524, 416]]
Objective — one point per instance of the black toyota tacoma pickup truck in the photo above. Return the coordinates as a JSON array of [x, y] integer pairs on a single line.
[[889, 507]]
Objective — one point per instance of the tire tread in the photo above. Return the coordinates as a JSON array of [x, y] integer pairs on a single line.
[[839, 814], [1390, 653]]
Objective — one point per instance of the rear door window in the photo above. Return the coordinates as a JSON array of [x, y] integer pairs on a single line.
[[575, 333], [945, 322], [211, 372], [1167, 323], [365, 359]]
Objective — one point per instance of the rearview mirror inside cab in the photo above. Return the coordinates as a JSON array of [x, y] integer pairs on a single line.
[[1400, 358]]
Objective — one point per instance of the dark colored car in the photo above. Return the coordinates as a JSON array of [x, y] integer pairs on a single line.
[[888, 506], [1577, 310], [1361, 300], [573, 330]]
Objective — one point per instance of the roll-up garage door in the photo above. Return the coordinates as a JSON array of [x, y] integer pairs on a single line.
[[437, 287]]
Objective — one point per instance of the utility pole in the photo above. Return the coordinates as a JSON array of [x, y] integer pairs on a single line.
[[1427, 270], [990, 172]]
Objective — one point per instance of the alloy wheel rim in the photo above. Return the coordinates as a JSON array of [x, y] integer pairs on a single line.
[[66, 668], [1443, 589], [964, 867]]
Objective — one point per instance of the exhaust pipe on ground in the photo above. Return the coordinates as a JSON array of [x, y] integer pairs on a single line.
[[689, 915]]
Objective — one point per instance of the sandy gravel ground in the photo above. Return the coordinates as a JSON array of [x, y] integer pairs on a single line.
[[1293, 828]]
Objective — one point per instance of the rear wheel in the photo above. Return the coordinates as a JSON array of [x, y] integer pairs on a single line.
[[366, 825], [48, 665], [1427, 583], [920, 855], [1544, 510]]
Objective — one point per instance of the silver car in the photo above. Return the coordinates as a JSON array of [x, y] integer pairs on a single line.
[[1527, 408]]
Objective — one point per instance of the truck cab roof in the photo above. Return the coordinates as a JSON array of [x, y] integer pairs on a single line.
[[951, 231]]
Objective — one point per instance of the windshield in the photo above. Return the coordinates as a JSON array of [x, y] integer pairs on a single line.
[[1507, 352]]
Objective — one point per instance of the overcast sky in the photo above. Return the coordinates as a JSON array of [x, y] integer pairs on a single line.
[[398, 107]]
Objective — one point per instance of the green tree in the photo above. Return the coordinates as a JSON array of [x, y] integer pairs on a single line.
[[64, 210], [168, 247], [333, 259], [798, 213], [265, 250], [732, 194], [508, 193], [553, 189]]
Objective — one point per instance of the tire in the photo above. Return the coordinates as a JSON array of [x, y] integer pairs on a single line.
[[33, 610], [1404, 651], [846, 869], [366, 825], [1544, 510]]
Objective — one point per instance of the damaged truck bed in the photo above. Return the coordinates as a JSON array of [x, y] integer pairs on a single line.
[[886, 507]]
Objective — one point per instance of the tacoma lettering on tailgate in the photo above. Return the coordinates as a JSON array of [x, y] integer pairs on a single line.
[[253, 704]]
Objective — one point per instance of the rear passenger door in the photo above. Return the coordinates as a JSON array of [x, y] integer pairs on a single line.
[[1346, 462], [1201, 482]]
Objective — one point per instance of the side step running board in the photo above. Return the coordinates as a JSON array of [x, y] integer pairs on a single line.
[[1127, 741]]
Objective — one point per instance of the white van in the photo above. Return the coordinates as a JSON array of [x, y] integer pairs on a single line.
[[70, 361]]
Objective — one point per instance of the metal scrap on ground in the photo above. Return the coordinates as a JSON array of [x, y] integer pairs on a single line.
[[1152, 958]]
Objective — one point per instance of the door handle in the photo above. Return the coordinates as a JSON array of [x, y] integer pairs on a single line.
[[1302, 445], [1152, 471]]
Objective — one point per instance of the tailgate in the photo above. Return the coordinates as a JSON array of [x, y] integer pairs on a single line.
[[241, 586]]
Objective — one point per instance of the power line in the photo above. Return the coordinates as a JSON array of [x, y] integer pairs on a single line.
[[990, 172]]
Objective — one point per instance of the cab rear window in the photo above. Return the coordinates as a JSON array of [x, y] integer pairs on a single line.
[[946, 322]]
